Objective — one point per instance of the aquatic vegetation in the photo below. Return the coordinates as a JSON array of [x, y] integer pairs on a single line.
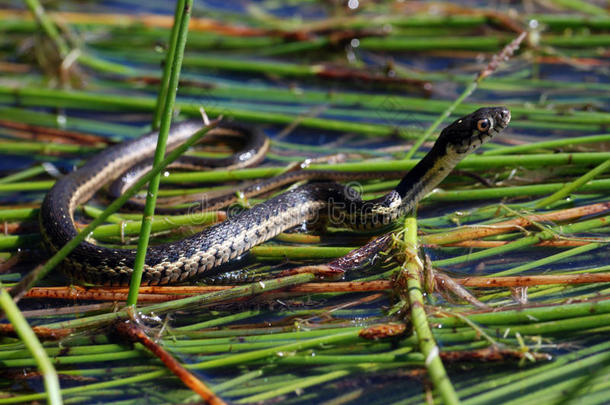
[[495, 291]]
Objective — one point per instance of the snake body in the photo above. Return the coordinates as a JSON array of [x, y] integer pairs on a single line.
[[216, 245]]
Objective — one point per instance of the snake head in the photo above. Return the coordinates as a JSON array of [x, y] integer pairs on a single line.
[[471, 131]]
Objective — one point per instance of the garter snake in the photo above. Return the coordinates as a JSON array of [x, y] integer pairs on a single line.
[[218, 244]]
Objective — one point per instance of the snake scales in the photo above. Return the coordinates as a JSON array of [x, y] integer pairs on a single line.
[[178, 261]]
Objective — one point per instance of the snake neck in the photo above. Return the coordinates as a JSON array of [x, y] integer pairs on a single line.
[[425, 176], [419, 181]]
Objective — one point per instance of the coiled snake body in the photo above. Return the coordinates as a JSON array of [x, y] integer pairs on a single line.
[[174, 262]]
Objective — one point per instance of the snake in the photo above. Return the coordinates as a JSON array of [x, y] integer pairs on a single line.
[[318, 201]]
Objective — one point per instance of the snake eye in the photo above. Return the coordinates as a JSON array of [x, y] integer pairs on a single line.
[[483, 125]]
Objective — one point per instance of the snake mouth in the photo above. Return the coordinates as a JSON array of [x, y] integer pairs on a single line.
[[501, 119]]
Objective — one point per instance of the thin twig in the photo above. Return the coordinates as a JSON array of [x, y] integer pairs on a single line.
[[136, 334]]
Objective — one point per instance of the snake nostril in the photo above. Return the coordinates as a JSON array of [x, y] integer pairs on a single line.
[[504, 114]]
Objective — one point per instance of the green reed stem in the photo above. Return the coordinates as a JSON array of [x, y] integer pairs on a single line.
[[170, 57], [550, 259], [75, 350], [99, 101], [401, 43], [219, 321], [287, 69], [133, 28], [580, 324], [117, 355], [570, 187], [403, 105], [240, 380], [46, 148], [300, 252], [403, 354], [31, 342], [298, 385], [96, 101], [470, 162], [338, 338], [13, 242], [563, 21], [395, 103], [20, 214], [48, 27], [117, 382], [555, 143], [182, 17], [518, 382], [22, 175], [119, 218], [114, 130], [571, 388], [426, 341], [525, 315], [581, 7], [515, 191], [578, 366], [253, 335], [62, 46], [158, 224]]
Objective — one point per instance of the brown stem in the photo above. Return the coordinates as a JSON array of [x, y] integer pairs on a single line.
[[167, 293], [494, 243], [135, 334], [41, 133], [528, 281], [41, 333], [482, 231]]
